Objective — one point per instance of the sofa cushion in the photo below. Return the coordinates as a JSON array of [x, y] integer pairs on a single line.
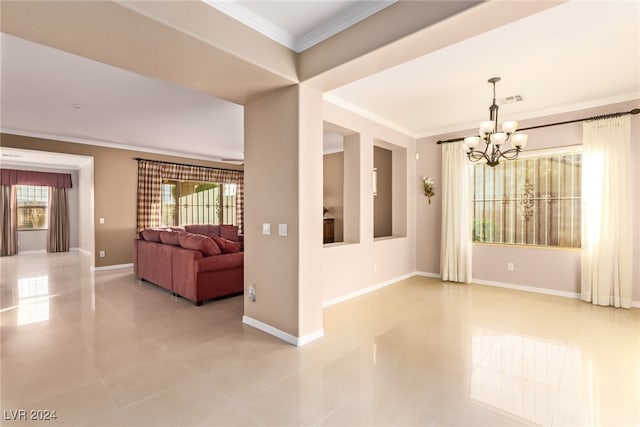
[[170, 237], [229, 232], [214, 229], [198, 229], [226, 246], [151, 235], [200, 243]]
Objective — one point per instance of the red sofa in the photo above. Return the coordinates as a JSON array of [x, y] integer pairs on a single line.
[[187, 261]]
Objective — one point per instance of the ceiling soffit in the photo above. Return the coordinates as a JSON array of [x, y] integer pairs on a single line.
[[411, 30], [236, 69]]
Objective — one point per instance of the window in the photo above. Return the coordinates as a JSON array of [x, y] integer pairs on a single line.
[[185, 202], [529, 201], [32, 207]]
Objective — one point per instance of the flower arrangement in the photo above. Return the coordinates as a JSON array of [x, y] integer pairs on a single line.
[[429, 190]]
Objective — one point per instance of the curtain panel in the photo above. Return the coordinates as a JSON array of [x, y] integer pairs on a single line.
[[9, 221], [149, 194], [606, 213], [59, 228], [456, 240], [42, 179], [150, 176]]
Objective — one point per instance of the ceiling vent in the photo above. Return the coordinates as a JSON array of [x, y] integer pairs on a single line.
[[511, 99]]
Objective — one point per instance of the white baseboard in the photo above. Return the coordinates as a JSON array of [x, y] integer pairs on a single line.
[[84, 252], [284, 336], [427, 274], [533, 289], [635, 304], [367, 290], [39, 251], [112, 267]]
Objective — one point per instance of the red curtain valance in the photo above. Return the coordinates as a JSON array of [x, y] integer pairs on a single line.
[[43, 179]]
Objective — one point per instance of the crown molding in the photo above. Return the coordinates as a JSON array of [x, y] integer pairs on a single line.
[[109, 144], [247, 17], [254, 21], [354, 15]]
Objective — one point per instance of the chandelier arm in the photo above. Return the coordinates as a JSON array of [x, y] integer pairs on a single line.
[[476, 156], [511, 154]]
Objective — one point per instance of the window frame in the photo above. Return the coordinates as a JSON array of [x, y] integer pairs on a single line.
[[45, 209], [220, 206], [552, 151]]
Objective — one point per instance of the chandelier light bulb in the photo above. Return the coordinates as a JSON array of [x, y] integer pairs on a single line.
[[509, 127], [498, 138], [472, 141], [487, 126], [519, 140]]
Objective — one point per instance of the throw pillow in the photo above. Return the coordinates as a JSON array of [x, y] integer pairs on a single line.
[[229, 232], [198, 242], [151, 235], [170, 237], [214, 229], [226, 245]]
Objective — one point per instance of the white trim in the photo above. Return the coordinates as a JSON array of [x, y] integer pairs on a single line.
[[428, 274], [115, 145], [38, 251], [574, 107], [533, 289], [367, 290], [546, 291], [354, 15], [284, 336], [254, 21], [112, 267], [82, 251], [298, 44]]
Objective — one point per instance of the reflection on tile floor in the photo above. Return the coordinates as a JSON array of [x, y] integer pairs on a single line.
[[103, 349]]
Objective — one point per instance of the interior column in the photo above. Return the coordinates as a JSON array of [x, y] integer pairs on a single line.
[[283, 188]]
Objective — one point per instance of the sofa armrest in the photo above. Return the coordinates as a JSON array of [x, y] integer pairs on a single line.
[[184, 272]]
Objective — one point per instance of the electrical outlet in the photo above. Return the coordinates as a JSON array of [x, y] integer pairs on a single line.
[[252, 293], [375, 268], [510, 266], [103, 254]]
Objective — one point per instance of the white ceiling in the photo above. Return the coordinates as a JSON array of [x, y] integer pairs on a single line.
[[41, 86], [575, 55]]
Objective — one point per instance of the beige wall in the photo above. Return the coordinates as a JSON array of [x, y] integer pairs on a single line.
[[351, 268], [114, 192], [553, 269], [333, 190], [382, 201]]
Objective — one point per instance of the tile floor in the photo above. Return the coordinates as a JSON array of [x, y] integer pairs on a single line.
[[103, 349]]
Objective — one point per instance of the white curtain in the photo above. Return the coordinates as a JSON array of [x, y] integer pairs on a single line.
[[606, 212], [455, 247]]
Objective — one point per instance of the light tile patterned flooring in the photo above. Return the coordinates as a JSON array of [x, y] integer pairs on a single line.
[[103, 349]]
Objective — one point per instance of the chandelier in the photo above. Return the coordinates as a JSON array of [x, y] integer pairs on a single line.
[[495, 141]]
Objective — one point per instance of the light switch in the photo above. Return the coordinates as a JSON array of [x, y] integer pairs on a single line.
[[101, 220], [266, 229], [282, 229]]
